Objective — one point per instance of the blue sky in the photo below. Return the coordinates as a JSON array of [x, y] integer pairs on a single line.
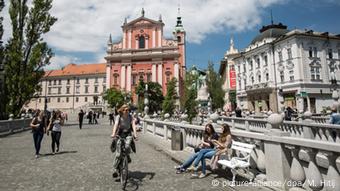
[[83, 26], [315, 15]]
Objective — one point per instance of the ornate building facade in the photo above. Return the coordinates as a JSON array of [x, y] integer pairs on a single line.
[[144, 53], [282, 68], [228, 73], [72, 88]]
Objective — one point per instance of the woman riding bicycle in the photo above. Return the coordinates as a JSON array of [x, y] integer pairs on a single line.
[[124, 127]]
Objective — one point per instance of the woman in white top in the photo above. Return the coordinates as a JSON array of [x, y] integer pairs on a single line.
[[55, 123]]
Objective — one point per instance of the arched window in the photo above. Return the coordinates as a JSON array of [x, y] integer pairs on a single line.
[[141, 42], [179, 38]]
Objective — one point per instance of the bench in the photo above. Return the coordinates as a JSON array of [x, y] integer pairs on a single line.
[[235, 163]]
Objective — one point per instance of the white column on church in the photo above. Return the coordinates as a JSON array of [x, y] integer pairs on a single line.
[[146, 43], [122, 79], [154, 39], [108, 75], [160, 74], [128, 81], [154, 72], [124, 39], [176, 75], [130, 39], [159, 38], [137, 43]]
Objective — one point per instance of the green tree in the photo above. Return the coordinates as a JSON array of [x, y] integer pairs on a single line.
[[26, 52], [114, 97], [2, 95], [170, 97], [155, 96], [190, 92], [214, 84]]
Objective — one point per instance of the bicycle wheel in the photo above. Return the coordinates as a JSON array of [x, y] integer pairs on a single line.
[[124, 172]]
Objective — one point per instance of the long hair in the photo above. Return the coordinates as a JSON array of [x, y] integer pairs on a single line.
[[206, 134], [225, 133]]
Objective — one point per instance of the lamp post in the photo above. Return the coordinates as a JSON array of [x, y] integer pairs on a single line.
[[146, 102]]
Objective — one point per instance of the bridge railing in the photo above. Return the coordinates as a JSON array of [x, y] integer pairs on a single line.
[[11, 126], [289, 161]]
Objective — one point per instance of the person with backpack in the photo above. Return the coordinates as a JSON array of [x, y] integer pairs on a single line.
[[38, 125], [55, 125], [124, 127]]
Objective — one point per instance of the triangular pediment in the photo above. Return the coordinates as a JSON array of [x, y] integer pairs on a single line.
[[142, 21]]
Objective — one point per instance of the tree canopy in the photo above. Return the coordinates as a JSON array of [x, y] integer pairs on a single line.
[[170, 97], [114, 97], [190, 92], [214, 84], [155, 96], [26, 53]]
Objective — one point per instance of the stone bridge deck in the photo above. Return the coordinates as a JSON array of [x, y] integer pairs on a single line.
[[85, 163]]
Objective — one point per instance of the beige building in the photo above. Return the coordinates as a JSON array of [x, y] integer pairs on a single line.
[[72, 88]]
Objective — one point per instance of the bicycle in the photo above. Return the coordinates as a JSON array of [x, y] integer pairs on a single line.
[[123, 163]]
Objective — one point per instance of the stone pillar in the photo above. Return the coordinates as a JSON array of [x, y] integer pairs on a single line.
[[123, 78], [308, 104], [128, 80], [159, 38], [297, 173], [129, 39], [160, 74], [146, 42], [332, 180], [108, 75], [124, 39], [314, 177], [154, 73], [276, 153], [153, 39]]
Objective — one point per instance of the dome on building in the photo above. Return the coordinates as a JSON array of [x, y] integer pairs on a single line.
[[270, 31]]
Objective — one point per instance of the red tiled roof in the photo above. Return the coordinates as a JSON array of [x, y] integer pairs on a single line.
[[81, 69]]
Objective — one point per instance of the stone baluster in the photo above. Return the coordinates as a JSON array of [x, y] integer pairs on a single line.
[[297, 173], [165, 127], [332, 180], [329, 135], [307, 130], [153, 128], [337, 139], [261, 159], [187, 138], [314, 177], [233, 123]]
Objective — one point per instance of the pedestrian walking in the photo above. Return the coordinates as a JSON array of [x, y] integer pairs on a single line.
[[80, 118], [38, 125], [95, 118], [55, 125], [111, 118]]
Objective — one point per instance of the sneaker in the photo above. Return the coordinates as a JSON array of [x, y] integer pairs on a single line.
[[57, 149], [53, 153], [36, 156], [180, 171], [194, 175], [191, 168], [202, 175], [115, 174], [177, 167]]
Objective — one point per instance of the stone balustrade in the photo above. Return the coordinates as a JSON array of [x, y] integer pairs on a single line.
[[283, 158], [11, 126]]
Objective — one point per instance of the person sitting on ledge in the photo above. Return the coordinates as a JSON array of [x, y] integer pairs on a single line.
[[335, 117], [208, 136]]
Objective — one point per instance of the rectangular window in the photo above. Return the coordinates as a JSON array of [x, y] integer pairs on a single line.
[[59, 90], [239, 68], [315, 73], [78, 81], [67, 90], [58, 99], [280, 56], [86, 89], [77, 99], [291, 78], [49, 90], [259, 78], [67, 100], [95, 89], [96, 80], [282, 76], [330, 53], [289, 53], [85, 99], [68, 81], [104, 80], [86, 80], [310, 52], [49, 82], [134, 80], [77, 90], [244, 67], [54, 82], [267, 77], [104, 88], [59, 83], [239, 84], [148, 77], [252, 80], [115, 80], [258, 62], [315, 52], [265, 60]]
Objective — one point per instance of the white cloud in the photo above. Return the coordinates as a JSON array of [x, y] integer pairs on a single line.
[[85, 25], [57, 62]]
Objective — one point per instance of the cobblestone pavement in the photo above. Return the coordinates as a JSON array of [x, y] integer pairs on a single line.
[[85, 163]]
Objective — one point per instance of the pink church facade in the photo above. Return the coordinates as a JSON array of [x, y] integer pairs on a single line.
[[144, 53]]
